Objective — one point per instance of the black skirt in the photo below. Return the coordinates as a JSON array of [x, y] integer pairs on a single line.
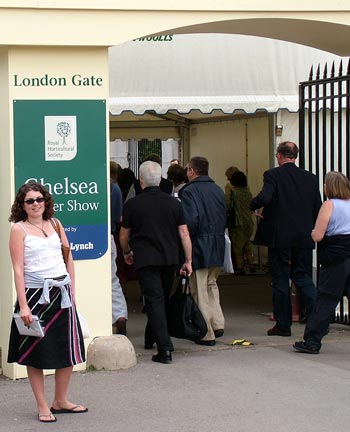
[[62, 344]]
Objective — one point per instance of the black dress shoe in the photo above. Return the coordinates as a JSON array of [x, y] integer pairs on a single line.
[[162, 357], [218, 333], [276, 331], [302, 347], [205, 342]]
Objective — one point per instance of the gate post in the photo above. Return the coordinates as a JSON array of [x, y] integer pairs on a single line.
[[54, 81]]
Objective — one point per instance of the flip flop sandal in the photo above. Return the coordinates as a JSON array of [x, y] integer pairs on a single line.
[[72, 410], [51, 417]]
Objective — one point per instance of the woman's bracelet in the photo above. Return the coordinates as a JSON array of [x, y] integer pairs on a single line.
[[127, 252]]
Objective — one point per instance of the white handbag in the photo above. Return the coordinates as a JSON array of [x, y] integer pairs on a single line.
[[228, 267], [84, 326], [34, 329]]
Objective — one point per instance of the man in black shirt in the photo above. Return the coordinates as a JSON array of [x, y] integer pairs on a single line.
[[152, 225], [165, 185]]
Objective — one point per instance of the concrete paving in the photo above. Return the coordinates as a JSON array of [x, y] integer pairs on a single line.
[[265, 386]]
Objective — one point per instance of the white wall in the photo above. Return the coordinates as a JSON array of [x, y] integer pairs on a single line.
[[170, 150], [242, 143], [119, 152], [290, 123]]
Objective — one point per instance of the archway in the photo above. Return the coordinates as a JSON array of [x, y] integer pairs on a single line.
[[68, 38], [308, 32]]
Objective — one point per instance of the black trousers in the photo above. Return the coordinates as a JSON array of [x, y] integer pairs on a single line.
[[334, 282], [294, 264], [156, 283]]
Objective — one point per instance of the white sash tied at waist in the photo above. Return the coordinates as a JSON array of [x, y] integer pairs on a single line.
[[32, 280]]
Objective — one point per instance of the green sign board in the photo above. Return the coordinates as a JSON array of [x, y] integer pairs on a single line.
[[62, 145]]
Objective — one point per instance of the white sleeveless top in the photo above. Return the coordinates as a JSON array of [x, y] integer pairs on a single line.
[[339, 222], [43, 256]]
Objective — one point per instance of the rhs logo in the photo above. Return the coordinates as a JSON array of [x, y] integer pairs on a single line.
[[63, 130], [60, 138]]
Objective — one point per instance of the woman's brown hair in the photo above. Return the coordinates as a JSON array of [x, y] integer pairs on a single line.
[[17, 210], [337, 185]]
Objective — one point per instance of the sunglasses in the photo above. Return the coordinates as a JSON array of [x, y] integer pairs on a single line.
[[31, 201]]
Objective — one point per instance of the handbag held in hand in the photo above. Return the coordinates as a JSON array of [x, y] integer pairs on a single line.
[[185, 320], [34, 329]]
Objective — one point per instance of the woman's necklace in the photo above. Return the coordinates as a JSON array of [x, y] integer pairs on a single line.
[[41, 229]]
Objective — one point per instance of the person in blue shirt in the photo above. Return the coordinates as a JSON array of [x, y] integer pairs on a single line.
[[332, 233]]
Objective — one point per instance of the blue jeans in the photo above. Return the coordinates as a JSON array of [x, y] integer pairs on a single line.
[[294, 264]]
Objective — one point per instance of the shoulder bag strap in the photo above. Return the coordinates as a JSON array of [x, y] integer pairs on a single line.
[[185, 282], [231, 199], [56, 227]]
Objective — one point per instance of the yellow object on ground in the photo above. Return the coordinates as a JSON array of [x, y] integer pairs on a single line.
[[241, 342]]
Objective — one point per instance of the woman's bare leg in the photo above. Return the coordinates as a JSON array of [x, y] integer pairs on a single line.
[[62, 379], [37, 382]]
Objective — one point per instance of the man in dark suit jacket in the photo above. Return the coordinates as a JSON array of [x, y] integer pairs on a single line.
[[291, 200]]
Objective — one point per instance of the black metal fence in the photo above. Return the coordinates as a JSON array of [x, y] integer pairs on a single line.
[[324, 132], [138, 150]]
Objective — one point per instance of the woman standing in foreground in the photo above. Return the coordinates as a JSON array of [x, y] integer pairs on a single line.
[[332, 231], [45, 287]]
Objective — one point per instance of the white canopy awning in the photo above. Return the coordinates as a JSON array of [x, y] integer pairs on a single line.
[[208, 72], [204, 104]]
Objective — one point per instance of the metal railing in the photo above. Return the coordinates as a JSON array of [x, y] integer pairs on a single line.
[[324, 133], [324, 122]]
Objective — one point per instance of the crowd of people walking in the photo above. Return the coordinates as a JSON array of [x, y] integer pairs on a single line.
[[163, 227]]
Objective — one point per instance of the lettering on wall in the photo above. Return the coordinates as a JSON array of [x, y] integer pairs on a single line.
[[76, 80], [161, 38]]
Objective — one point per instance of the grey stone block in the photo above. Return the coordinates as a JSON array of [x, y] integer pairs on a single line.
[[111, 353]]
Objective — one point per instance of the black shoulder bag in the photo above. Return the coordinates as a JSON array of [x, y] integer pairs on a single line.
[[185, 320]]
